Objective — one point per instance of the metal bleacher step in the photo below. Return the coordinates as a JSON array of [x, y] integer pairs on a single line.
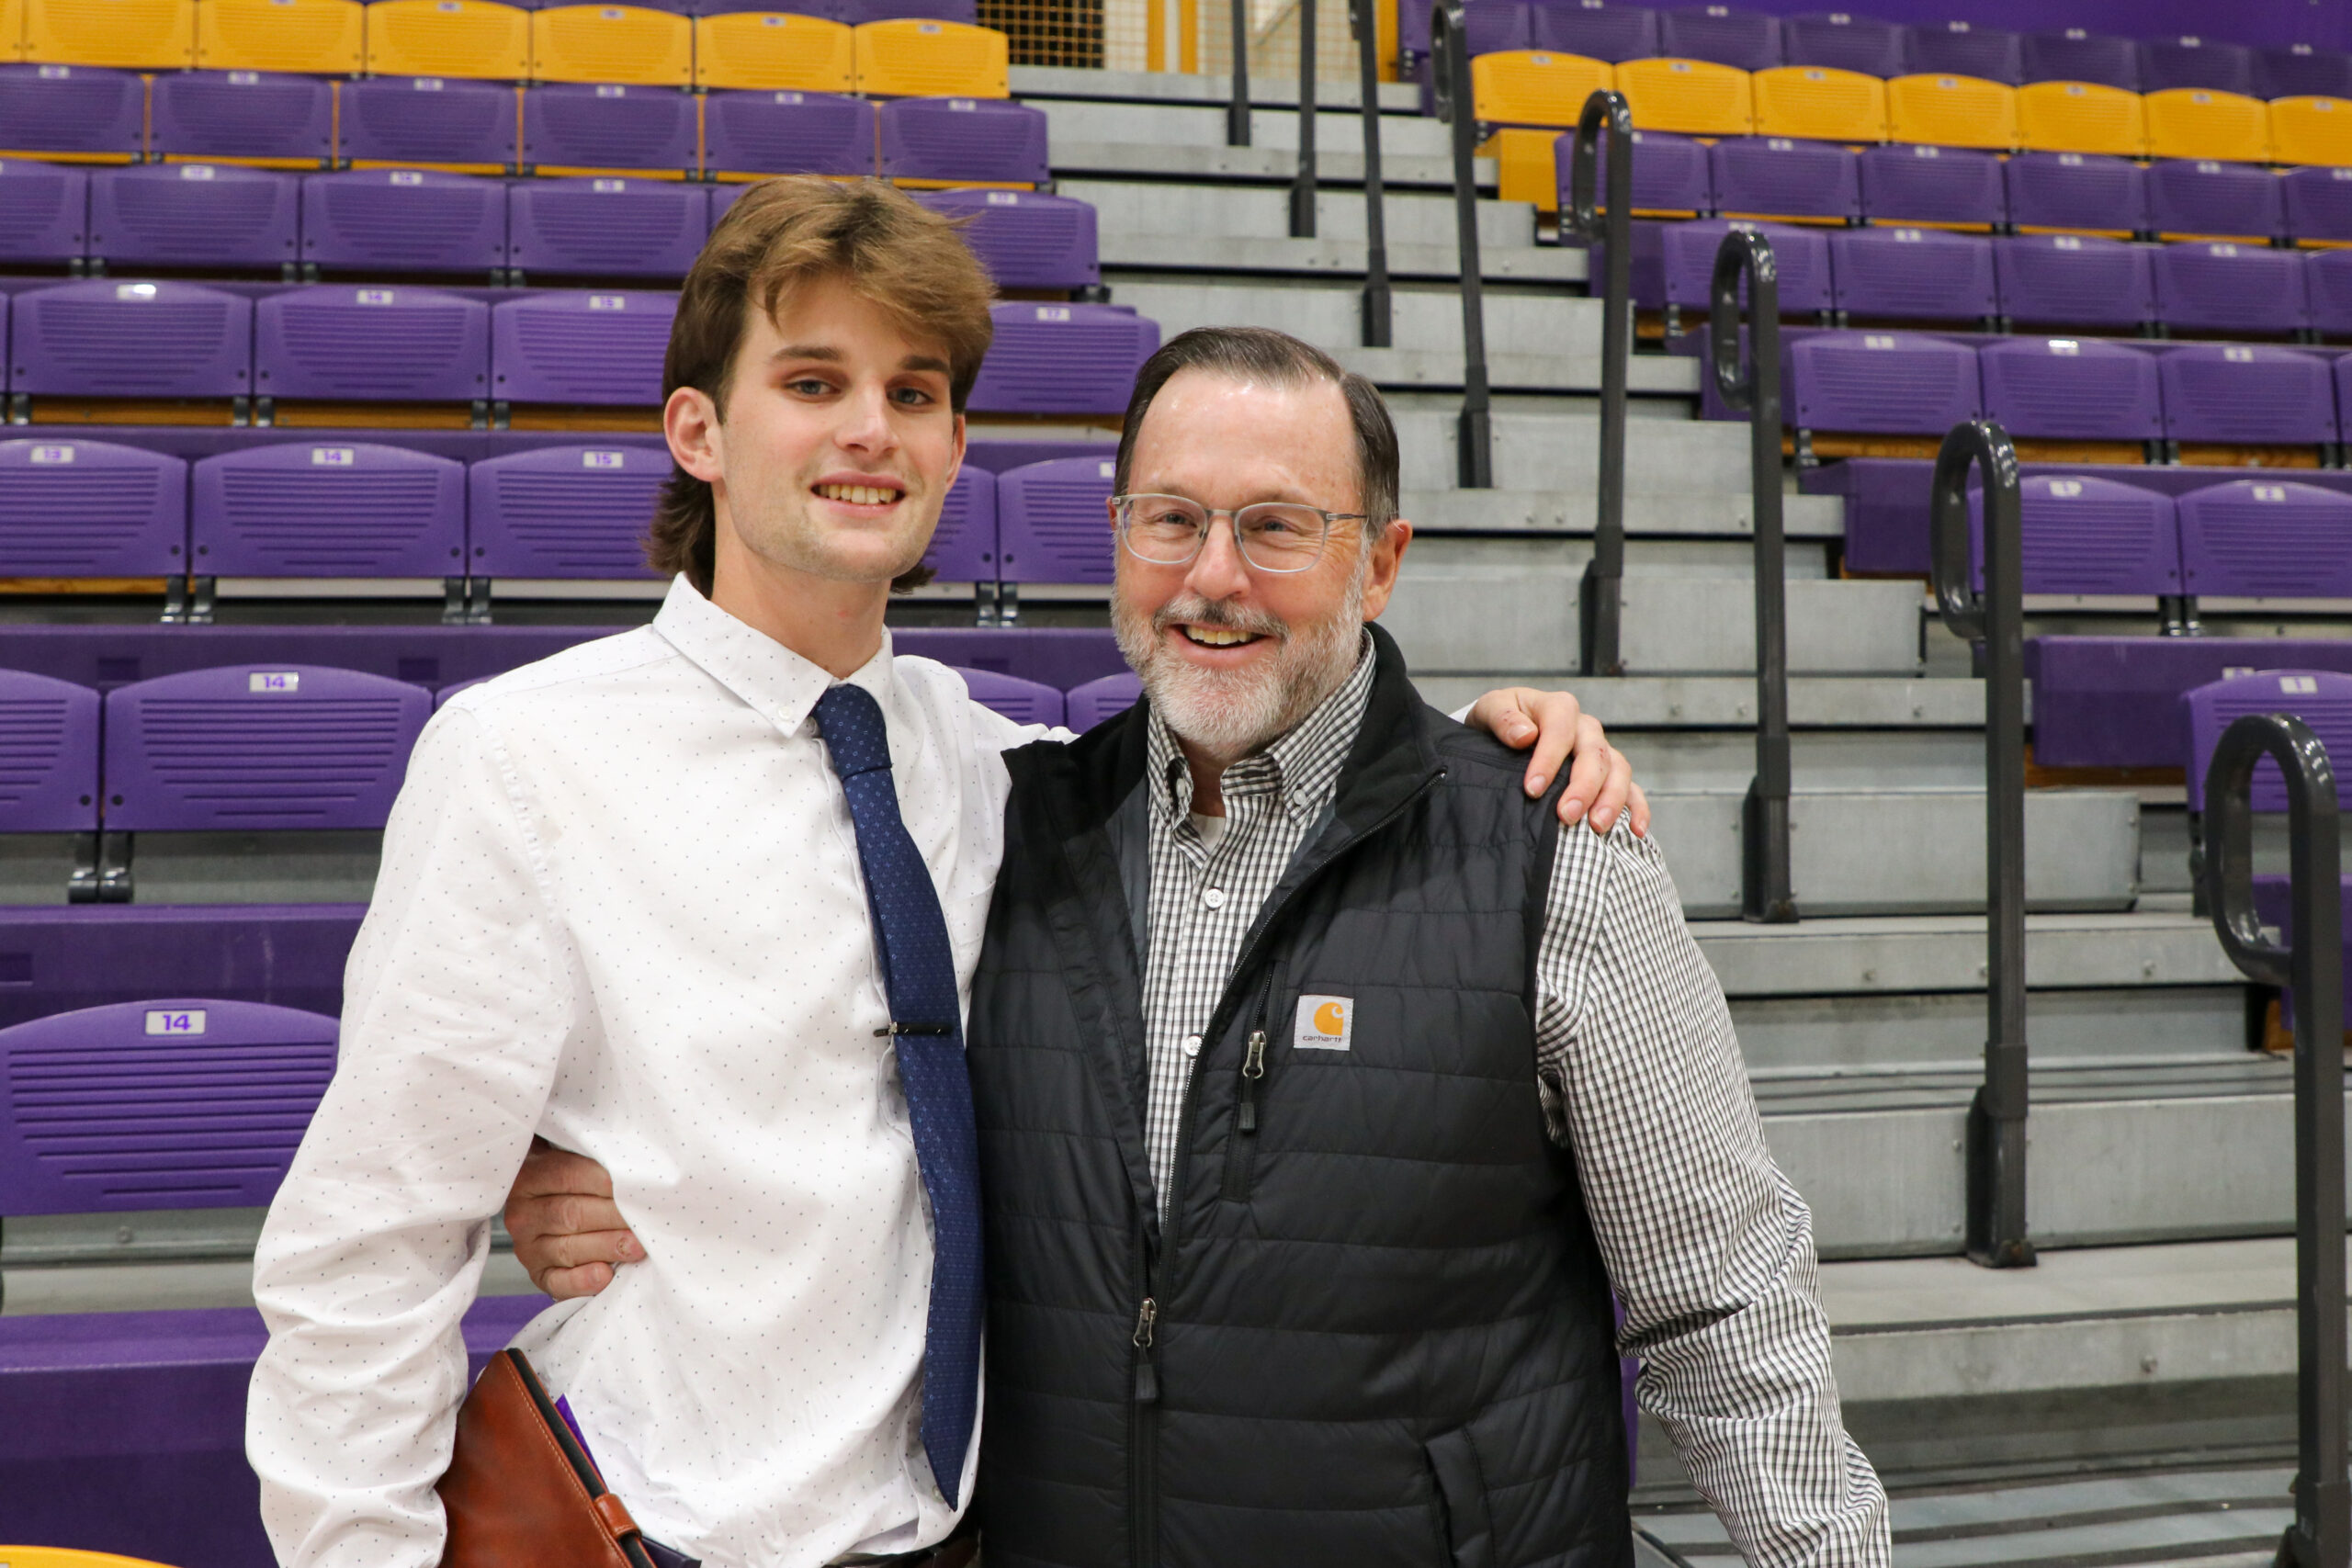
[[1175, 140], [1630, 703]]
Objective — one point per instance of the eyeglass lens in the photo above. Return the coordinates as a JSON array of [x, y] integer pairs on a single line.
[[1274, 535]]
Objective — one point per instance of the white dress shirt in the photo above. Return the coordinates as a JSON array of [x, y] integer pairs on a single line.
[[620, 907]]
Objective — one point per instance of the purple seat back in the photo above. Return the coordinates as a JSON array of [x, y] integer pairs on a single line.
[[1053, 523], [1022, 701], [109, 339], [243, 114], [787, 133], [2321, 698], [2217, 392], [2081, 534], [2267, 538], [1497, 27], [2327, 280], [2073, 280], [49, 751], [1026, 239], [2086, 192], [76, 508], [996, 454], [2318, 203], [2078, 55], [564, 512], [606, 227], [1843, 41], [194, 215], [176, 1103], [1671, 173], [1594, 28], [1898, 383], [2301, 72], [1773, 176], [2069, 390], [1063, 359], [1059, 656], [371, 344], [73, 108], [1932, 185], [965, 11], [2168, 62], [992, 140], [1747, 40], [601, 348], [44, 211], [605, 126], [1913, 274], [2201, 198], [2217, 286], [963, 548], [252, 747], [404, 220], [1800, 257], [1962, 49], [428, 120], [1101, 699], [345, 509]]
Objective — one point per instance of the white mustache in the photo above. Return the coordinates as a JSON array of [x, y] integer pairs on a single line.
[[1226, 616]]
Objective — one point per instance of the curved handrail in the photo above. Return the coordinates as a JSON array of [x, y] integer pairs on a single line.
[[1978, 444], [1455, 105], [1378, 306], [1599, 598]]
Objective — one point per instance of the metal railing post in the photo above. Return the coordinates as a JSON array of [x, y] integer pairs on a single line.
[[1378, 308], [1996, 1120], [1237, 112], [1302, 185], [1475, 429], [1765, 894], [1600, 596], [2321, 1536]]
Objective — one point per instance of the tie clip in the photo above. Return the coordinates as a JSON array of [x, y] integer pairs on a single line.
[[916, 1029]]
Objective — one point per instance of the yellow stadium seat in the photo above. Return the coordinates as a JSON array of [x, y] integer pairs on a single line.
[[129, 34], [448, 38], [904, 57], [752, 49], [2193, 122], [1524, 170], [313, 37], [1952, 111], [2081, 117], [612, 44], [61, 1557], [12, 29], [1695, 97], [2311, 131], [1817, 104], [1533, 86]]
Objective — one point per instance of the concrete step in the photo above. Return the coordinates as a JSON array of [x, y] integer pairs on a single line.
[[1629, 702], [1547, 453], [1162, 141], [1719, 515], [1909, 955], [1399, 100]]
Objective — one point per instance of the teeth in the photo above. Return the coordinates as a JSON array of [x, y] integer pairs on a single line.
[[1213, 638], [859, 495]]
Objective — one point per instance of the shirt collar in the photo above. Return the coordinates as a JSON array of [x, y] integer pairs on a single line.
[[1301, 769], [767, 677]]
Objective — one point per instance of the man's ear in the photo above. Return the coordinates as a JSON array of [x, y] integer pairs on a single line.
[[1380, 573], [690, 422], [955, 466]]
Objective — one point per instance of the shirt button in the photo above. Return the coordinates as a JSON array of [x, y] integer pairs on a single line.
[[1191, 1045], [1213, 898]]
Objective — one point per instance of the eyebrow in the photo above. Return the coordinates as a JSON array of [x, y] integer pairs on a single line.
[[833, 357]]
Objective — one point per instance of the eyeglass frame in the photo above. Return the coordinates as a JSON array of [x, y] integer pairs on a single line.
[[1232, 515]]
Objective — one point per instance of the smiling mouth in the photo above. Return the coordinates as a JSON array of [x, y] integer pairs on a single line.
[[1219, 636], [859, 495]]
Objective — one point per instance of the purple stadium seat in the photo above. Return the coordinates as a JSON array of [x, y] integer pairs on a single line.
[[2319, 204], [1026, 239], [1844, 41], [428, 121], [1961, 48], [2327, 279], [73, 108], [582, 128], [108, 656], [44, 212], [1932, 185], [2082, 534], [564, 512], [194, 215], [2201, 199], [1063, 359], [1497, 27], [404, 220], [1800, 261], [2066, 390], [76, 508], [2083, 193], [2073, 280], [2270, 538], [1022, 701], [2077, 55], [251, 746], [606, 227], [2279, 395], [2321, 698], [2301, 72], [2195, 62], [596, 348], [1747, 40], [991, 141], [49, 755], [1772, 177], [1105, 698], [1053, 521], [1059, 656], [68, 955], [965, 11], [352, 509], [1671, 175], [1902, 274], [2114, 702], [996, 454], [244, 114], [788, 133], [963, 548], [105, 339], [1897, 383], [2213, 286], [344, 342], [176, 1103], [1594, 28]]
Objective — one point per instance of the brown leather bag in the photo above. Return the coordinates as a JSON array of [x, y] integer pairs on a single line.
[[521, 1491]]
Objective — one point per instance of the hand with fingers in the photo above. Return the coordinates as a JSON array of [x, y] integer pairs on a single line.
[[569, 1234], [1601, 788]]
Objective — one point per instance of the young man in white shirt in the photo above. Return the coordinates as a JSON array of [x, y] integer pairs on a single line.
[[624, 906]]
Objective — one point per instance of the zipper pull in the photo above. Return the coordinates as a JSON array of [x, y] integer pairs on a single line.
[[1253, 1067], [1147, 1370]]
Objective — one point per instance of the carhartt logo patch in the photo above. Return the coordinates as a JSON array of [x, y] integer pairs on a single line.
[[1323, 1023]]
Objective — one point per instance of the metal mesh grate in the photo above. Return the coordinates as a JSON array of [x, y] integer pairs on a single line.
[[1049, 32]]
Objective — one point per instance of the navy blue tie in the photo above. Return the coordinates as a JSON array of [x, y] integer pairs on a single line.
[[918, 972]]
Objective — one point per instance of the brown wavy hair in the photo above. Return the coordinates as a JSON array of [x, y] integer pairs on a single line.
[[783, 234]]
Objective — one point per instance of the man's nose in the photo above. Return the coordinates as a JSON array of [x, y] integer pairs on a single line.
[[866, 421], [1218, 571]]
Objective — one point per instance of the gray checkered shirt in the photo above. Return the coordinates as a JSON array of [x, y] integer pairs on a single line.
[[1709, 1248]]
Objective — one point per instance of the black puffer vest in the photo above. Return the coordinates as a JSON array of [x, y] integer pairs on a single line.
[[1378, 1330]]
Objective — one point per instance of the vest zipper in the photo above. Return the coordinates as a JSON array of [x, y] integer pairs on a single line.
[[1253, 1067], [1240, 1149], [1147, 1370]]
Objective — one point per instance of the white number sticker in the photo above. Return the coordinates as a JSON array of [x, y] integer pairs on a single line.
[[188, 1021], [335, 456], [274, 681]]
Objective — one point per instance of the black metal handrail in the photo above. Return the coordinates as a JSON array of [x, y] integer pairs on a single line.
[[1600, 609], [1301, 185], [1455, 105], [1765, 894], [1236, 110], [2321, 1536], [1996, 1119], [1379, 311]]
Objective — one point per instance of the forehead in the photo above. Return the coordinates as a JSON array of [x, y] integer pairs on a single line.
[[826, 311], [1206, 422]]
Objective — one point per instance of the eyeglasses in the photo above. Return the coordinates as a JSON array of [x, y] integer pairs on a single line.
[[1273, 536]]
